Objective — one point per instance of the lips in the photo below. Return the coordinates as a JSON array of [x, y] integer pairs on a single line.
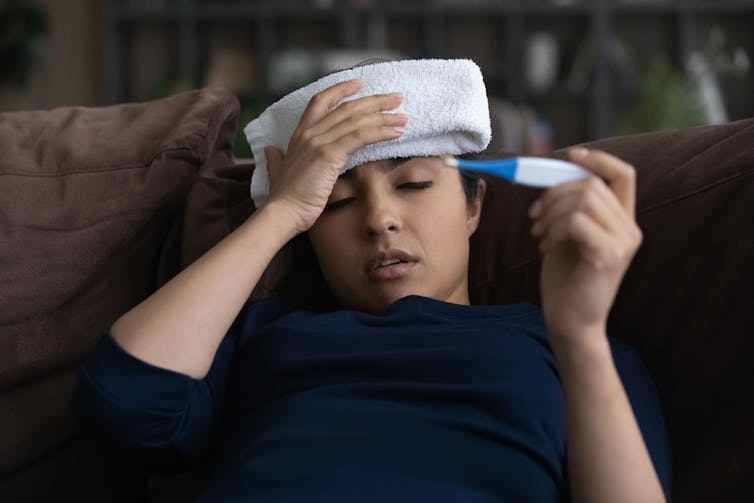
[[390, 264]]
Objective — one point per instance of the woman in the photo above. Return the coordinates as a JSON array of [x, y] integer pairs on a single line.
[[407, 392]]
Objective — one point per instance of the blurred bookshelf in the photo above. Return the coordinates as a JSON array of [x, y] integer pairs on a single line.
[[604, 55]]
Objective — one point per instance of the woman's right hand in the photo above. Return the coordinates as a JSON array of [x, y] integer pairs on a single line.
[[302, 179]]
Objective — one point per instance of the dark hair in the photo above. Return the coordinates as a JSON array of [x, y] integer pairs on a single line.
[[469, 182], [470, 178]]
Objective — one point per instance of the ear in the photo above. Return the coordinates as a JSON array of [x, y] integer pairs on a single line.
[[474, 208]]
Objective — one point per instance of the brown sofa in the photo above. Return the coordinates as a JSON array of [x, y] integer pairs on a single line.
[[100, 206]]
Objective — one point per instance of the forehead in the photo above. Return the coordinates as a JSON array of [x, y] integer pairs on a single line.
[[389, 165]]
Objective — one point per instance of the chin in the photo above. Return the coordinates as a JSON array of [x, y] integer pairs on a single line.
[[372, 303], [381, 300]]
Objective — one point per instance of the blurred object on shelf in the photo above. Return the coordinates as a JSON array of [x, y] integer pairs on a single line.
[[23, 34], [518, 129], [541, 60], [725, 62], [645, 2], [741, 61], [540, 137], [323, 4], [668, 100], [708, 88], [291, 69], [621, 64], [507, 126], [233, 68], [580, 74], [462, 2], [712, 64], [619, 60]]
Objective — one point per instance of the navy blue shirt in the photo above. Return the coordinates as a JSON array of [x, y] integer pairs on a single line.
[[429, 401]]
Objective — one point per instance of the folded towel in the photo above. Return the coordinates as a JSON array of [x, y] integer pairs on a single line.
[[445, 100]]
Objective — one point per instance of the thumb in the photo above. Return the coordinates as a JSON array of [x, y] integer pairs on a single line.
[[274, 157]]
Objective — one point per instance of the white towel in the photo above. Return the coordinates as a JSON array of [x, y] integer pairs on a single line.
[[445, 100]]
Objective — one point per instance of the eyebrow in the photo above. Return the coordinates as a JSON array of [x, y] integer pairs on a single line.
[[392, 164]]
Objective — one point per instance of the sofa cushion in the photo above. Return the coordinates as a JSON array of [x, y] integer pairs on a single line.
[[90, 224]]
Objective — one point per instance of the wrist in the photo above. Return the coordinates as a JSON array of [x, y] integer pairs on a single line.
[[585, 350], [588, 374], [283, 218]]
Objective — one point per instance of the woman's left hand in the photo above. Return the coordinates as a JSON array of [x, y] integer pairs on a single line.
[[588, 235]]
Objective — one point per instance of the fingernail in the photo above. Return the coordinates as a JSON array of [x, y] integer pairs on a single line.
[[398, 129], [579, 152], [397, 95], [535, 209]]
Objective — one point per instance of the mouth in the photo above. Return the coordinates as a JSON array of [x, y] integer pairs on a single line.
[[390, 264]]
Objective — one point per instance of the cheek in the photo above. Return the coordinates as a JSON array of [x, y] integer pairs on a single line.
[[444, 212], [320, 237], [444, 231], [331, 249]]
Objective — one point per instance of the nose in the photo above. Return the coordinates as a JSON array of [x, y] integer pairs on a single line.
[[380, 215]]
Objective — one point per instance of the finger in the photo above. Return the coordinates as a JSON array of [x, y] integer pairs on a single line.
[[356, 108], [275, 159], [618, 174], [358, 138], [359, 127], [542, 204], [592, 197], [324, 101], [586, 234], [274, 156], [571, 189]]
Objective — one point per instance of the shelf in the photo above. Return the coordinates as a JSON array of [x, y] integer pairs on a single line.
[[221, 12], [238, 11], [494, 33], [247, 10], [682, 6]]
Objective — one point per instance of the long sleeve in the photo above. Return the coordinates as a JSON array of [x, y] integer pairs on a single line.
[[645, 402], [164, 418]]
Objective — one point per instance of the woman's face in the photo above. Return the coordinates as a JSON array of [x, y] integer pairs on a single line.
[[395, 228]]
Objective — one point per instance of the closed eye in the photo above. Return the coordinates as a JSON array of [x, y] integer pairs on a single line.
[[338, 204], [415, 185]]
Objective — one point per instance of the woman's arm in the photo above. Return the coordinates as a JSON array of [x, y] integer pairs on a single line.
[[607, 457], [588, 235], [181, 325]]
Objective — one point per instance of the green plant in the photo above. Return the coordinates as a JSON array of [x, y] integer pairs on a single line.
[[23, 29], [668, 100], [250, 109]]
